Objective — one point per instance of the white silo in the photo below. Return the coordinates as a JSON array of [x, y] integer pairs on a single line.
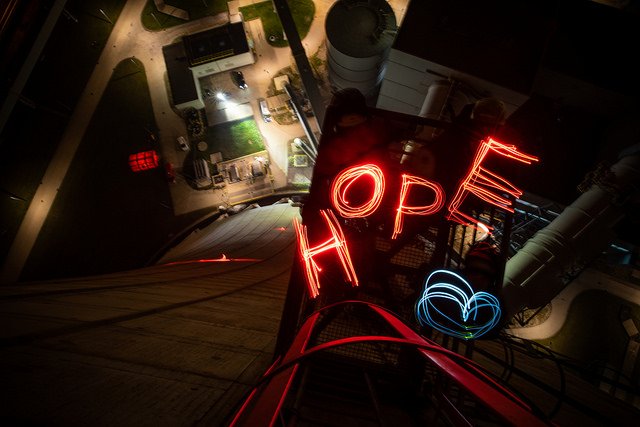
[[359, 36]]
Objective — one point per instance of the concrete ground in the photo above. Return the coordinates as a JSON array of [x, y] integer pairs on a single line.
[[588, 280]]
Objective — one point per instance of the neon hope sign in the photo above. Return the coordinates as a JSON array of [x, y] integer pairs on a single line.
[[478, 181]]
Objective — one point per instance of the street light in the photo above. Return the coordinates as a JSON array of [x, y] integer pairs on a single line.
[[156, 18], [11, 195], [105, 15]]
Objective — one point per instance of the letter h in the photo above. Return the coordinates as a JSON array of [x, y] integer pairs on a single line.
[[336, 242]]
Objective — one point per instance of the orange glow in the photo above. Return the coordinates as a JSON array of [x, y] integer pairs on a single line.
[[143, 160], [480, 182], [438, 202], [346, 179], [337, 241], [223, 258]]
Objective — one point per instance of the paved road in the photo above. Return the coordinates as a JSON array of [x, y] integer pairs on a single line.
[[57, 169], [128, 39]]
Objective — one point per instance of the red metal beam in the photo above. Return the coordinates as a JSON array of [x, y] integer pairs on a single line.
[[270, 394]]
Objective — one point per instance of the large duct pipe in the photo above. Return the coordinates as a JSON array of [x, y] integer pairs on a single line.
[[549, 260], [444, 101], [435, 102]]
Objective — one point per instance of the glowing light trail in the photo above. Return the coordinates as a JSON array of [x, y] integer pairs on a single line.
[[346, 179], [480, 311], [438, 202], [483, 231], [222, 258], [483, 183], [336, 242]]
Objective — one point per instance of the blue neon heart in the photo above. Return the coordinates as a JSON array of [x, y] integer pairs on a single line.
[[479, 312]]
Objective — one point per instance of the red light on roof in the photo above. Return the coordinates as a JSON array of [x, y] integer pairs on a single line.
[[223, 258], [143, 160]]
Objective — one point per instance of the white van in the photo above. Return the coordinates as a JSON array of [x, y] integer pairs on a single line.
[[264, 110]]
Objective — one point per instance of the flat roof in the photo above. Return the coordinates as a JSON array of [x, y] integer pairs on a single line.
[[501, 41], [183, 87], [600, 47], [216, 43]]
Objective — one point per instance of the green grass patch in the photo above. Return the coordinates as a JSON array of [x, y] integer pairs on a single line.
[[154, 20], [234, 139], [593, 332], [107, 218], [301, 10]]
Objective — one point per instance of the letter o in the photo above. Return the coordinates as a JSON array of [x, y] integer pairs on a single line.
[[346, 178]]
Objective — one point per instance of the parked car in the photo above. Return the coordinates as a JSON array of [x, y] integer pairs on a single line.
[[192, 114], [238, 79], [264, 110], [183, 144]]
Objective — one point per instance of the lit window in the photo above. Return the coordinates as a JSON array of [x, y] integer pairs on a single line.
[[143, 160]]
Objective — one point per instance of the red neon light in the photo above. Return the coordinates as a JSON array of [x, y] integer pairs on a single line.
[[143, 160], [222, 258], [480, 182], [348, 177], [438, 201], [337, 242]]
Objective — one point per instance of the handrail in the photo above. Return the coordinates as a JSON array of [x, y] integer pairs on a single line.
[[269, 394]]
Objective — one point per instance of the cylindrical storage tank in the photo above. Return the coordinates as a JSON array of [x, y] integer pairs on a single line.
[[359, 36]]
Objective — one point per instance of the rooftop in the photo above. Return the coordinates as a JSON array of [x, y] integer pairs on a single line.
[[216, 43], [183, 88], [501, 41]]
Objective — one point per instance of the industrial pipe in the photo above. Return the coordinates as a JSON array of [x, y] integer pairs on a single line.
[[555, 254]]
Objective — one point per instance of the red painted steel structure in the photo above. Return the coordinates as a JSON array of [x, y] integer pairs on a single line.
[[263, 405]]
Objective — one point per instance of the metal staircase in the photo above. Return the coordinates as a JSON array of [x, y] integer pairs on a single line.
[[393, 379]]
